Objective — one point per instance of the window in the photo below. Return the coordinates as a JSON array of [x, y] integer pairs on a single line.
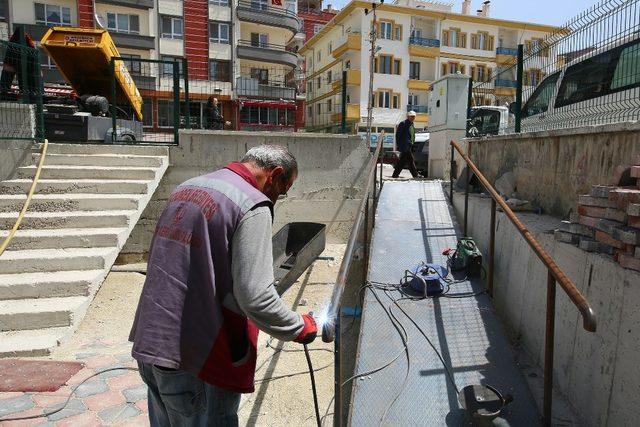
[[260, 74], [171, 27], [165, 113], [533, 77], [609, 72], [536, 47], [415, 33], [219, 32], [482, 41], [413, 99], [396, 66], [480, 73], [539, 100], [329, 76], [309, 113], [414, 70], [383, 64], [329, 105], [452, 68], [453, 37], [167, 69], [219, 2], [291, 6], [347, 64], [46, 61], [259, 40], [123, 23], [309, 87], [47, 14], [132, 62], [330, 47], [319, 82], [3, 10], [319, 55], [395, 101], [317, 28], [259, 4], [383, 99], [318, 108], [386, 30], [147, 112], [219, 71], [397, 33]]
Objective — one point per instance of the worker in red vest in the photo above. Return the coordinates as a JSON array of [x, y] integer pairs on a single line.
[[210, 288]]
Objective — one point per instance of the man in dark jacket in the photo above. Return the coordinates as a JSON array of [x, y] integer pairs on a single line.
[[405, 137], [216, 121]]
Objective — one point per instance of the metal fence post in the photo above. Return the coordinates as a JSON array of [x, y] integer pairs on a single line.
[[492, 246], [38, 98], [451, 178], [519, 82], [114, 121], [187, 106], [469, 104], [548, 348], [176, 101], [23, 80], [343, 120], [337, 375]]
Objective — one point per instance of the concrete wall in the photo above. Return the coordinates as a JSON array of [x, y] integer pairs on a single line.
[[14, 154], [552, 168], [331, 174], [598, 372]]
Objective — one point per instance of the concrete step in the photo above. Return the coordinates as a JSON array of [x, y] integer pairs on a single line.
[[73, 219], [35, 343], [61, 238], [38, 313], [142, 150], [49, 284], [70, 202], [44, 260], [88, 172], [75, 186], [101, 160]]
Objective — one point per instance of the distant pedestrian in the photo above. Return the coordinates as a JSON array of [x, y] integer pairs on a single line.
[[405, 137], [216, 121]]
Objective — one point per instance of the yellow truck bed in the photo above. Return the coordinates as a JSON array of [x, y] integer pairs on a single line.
[[84, 59]]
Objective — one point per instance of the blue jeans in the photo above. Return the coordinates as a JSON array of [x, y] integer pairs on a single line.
[[178, 398]]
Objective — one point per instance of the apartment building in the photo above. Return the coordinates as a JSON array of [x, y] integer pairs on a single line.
[[236, 50], [417, 43]]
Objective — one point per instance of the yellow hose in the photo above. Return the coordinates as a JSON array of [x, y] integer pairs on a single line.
[[26, 203]]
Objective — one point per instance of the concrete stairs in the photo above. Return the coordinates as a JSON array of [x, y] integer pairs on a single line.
[[88, 200]]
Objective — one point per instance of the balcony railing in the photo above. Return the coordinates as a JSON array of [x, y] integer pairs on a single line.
[[271, 46], [265, 14], [265, 7], [507, 51], [424, 41], [253, 87], [506, 83], [418, 108]]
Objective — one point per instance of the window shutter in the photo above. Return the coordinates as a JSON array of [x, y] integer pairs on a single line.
[[445, 38], [489, 71], [462, 40], [474, 41], [474, 72], [444, 70], [463, 69], [491, 43]]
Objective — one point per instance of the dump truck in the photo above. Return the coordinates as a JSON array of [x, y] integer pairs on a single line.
[[84, 56]]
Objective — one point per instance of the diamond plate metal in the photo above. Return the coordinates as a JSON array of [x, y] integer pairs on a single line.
[[415, 223]]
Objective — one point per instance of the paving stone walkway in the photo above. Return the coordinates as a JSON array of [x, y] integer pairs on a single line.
[[114, 398]]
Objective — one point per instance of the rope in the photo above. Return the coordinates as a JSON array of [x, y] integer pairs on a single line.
[[32, 190]]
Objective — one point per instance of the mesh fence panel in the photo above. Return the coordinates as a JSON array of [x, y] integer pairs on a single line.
[[586, 73]]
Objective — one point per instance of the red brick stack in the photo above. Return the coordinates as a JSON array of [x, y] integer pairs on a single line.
[[608, 219]]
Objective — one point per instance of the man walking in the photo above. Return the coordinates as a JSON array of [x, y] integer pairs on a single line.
[[216, 121], [209, 288], [405, 137]]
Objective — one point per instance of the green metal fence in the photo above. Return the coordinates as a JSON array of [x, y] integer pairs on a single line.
[[586, 73], [21, 92], [165, 106]]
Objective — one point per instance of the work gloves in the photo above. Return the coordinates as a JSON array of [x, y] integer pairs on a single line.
[[309, 331]]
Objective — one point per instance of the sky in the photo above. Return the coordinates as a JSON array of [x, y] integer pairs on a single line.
[[553, 12]]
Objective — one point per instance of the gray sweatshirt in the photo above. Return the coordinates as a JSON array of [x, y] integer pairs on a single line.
[[253, 280]]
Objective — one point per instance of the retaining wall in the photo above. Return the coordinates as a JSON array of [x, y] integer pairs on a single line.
[[598, 373], [13, 154], [553, 167], [331, 175]]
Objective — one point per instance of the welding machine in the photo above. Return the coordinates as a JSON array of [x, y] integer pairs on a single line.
[[467, 257], [428, 279]]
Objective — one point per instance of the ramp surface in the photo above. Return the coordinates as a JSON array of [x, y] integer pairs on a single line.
[[414, 223]]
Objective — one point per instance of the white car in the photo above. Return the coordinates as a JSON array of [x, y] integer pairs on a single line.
[[600, 87]]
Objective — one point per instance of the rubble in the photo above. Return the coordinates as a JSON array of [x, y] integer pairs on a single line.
[[607, 220]]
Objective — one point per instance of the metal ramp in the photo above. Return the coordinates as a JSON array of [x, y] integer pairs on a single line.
[[414, 223]]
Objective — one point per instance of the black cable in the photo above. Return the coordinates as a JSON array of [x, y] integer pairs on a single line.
[[313, 386], [55, 411]]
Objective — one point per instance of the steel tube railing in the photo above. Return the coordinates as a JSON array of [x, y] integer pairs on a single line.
[[554, 275]]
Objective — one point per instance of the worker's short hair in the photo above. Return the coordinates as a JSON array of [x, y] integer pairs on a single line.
[[271, 156]]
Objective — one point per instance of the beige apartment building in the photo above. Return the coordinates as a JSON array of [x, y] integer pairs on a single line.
[[417, 42]]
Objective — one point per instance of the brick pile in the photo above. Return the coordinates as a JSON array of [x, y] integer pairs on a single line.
[[608, 219]]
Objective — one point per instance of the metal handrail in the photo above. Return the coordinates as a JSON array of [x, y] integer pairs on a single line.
[[555, 273], [331, 328]]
